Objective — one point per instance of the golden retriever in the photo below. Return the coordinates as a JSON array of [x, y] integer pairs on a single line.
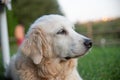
[[49, 51]]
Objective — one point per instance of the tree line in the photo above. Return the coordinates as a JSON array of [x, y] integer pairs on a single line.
[[26, 11]]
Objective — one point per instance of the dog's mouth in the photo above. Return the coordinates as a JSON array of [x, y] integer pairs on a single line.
[[76, 56], [68, 57]]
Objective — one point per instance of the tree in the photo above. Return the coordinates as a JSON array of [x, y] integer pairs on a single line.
[[27, 11]]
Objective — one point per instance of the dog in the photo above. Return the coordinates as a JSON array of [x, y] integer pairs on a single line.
[[49, 51]]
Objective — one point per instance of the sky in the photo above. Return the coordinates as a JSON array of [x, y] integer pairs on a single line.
[[90, 10]]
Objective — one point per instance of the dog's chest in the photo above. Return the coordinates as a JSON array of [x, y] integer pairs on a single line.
[[56, 71]]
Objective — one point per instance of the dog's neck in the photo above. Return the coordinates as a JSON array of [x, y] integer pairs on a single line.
[[53, 68], [48, 69]]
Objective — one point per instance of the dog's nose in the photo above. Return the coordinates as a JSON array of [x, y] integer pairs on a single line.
[[88, 43]]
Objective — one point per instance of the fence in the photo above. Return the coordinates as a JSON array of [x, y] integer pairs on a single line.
[[104, 34]]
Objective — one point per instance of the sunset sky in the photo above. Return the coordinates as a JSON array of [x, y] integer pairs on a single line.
[[90, 10]]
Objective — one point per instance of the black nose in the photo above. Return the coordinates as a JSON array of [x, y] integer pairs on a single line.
[[87, 43]]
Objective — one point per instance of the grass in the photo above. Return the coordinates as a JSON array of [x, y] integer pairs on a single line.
[[102, 63]]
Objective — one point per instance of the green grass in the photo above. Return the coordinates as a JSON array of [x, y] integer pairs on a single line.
[[101, 64]]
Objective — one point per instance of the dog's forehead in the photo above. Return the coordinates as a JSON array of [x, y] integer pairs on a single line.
[[53, 22]]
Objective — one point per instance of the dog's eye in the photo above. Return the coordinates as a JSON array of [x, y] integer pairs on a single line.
[[62, 31]]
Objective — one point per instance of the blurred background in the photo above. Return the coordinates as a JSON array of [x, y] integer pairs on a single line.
[[97, 19]]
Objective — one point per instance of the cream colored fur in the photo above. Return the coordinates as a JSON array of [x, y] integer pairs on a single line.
[[43, 54]]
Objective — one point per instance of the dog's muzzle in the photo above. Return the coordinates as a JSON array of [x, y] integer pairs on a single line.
[[87, 43]]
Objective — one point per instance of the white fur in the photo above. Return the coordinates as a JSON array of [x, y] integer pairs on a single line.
[[46, 44]]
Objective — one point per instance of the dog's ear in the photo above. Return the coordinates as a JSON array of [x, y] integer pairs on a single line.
[[34, 45]]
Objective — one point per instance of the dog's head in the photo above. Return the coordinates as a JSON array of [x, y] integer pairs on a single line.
[[53, 36]]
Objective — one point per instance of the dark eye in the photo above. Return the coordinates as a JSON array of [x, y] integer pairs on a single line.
[[62, 31]]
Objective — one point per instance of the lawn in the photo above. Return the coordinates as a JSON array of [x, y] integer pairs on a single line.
[[102, 63]]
